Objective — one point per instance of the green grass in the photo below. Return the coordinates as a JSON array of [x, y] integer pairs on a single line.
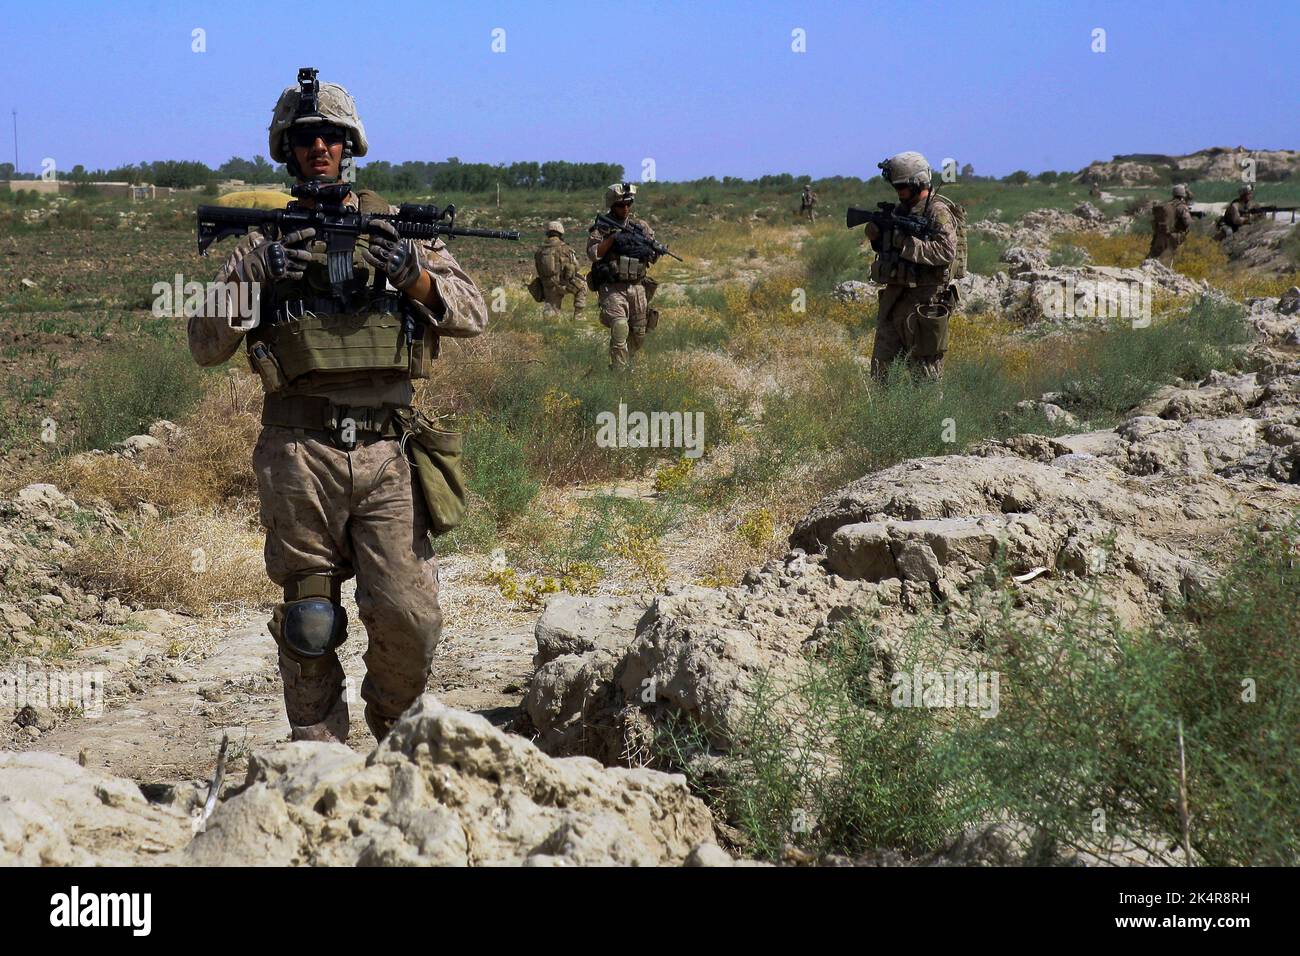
[[983, 253]]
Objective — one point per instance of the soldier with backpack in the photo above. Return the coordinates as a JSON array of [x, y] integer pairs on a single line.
[[557, 273], [917, 273], [1171, 223]]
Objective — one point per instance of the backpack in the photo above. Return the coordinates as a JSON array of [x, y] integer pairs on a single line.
[[550, 261], [958, 268], [1163, 216]]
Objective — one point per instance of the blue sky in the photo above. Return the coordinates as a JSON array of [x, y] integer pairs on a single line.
[[702, 88]]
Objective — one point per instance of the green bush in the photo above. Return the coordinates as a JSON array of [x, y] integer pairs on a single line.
[[833, 257], [496, 466], [127, 387], [1117, 369], [1082, 745]]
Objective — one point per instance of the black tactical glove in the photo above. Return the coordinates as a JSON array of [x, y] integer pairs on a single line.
[[396, 257], [274, 260]]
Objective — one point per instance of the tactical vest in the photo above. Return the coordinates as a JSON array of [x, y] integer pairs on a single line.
[[306, 329], [890, 268], [616, 268]]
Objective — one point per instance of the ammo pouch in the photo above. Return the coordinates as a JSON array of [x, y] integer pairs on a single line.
[[651, 319], [435, 455], [627, 269], [535, 289]]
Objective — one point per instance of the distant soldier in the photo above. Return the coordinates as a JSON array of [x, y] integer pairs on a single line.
[[1236, 215], [916, 274], [807, 202], [618, 273], [557, 272], [1171, 222], [1095, 190]]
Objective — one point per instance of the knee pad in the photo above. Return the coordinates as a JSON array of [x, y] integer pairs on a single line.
[[313, 627], [311, 622]]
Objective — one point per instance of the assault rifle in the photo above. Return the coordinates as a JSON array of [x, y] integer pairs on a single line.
[[335, 224], [633, 241], [1251, 210], [889, 218]]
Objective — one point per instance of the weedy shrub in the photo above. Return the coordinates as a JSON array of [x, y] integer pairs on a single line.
[[1179, 734], [130, 385], [832, 257], [1114, 370]]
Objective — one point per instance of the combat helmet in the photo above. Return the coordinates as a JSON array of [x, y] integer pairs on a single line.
[[618, 192], [1180, 191], [312, 102], [909, 168], [555, 226]]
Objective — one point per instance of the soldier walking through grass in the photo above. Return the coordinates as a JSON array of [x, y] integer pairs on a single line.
[[557, 272], [917, 273], [619, 274], [1171, 224]]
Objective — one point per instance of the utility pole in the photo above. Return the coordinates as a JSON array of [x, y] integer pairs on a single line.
[[15, 112]]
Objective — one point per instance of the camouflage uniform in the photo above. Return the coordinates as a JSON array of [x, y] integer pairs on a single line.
[[624, 305], [917, 297], [331, 513], [1171, 223], [807, 202], [1234, 217], [568, 280]]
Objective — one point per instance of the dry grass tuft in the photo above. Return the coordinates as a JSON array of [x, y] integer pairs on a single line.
[[199, 562]]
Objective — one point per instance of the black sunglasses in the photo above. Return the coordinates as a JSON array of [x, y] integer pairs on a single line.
[[302, 137]]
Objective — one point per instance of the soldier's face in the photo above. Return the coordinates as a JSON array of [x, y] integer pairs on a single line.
[[621, 209], [319, 159]]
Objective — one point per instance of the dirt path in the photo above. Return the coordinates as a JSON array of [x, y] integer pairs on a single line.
[[174, 688]]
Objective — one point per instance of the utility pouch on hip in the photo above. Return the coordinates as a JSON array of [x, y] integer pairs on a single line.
[[535, 289], [267, 368], [436, 457]]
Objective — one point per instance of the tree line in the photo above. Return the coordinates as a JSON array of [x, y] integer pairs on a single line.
[[449, 175]]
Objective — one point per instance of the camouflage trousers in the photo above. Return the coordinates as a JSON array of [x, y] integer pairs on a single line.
[[1164, 245], [341, 513], [553, 294], [624, 310], [912, 322]]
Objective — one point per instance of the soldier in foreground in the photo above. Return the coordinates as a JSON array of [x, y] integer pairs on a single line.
[[557, 273], [1171, 223], [336, 489], [917, 273], [807, 202], [619, 274], [1236, 215]]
